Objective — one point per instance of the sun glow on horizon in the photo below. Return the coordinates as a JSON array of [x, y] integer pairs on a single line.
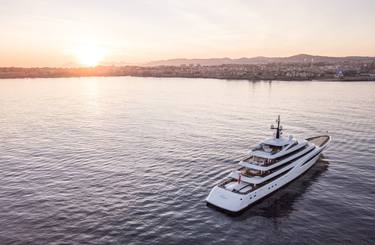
[[89, 55], [42, 33]]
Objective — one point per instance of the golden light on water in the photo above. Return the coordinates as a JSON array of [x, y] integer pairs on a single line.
[[89, 55]]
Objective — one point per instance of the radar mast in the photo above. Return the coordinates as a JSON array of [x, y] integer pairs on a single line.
[[279, 128]]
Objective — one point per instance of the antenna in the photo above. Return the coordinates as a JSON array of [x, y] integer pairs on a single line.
[[278, 128]]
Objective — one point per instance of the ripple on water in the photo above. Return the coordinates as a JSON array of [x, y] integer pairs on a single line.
[[134, 162]]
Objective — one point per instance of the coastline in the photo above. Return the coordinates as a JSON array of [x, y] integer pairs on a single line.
[[266, 72], [198, 77]]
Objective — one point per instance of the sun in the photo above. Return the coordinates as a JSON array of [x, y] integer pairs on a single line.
[[89, 56]]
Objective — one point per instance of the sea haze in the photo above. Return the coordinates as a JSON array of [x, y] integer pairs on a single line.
[[130, 160]]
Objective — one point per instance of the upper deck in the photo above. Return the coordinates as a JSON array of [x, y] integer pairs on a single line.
[[272, 149]]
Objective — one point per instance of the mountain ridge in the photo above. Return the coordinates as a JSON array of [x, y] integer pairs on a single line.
[[299, 58]]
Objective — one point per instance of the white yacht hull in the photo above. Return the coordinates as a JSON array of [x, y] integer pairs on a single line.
[[235, 202]]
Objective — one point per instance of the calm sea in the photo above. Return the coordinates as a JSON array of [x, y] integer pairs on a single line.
[[130, 161]]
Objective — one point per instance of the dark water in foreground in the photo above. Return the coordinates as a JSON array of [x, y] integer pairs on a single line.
[[131, 160]]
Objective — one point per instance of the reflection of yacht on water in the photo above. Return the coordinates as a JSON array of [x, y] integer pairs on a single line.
[[269, 166]]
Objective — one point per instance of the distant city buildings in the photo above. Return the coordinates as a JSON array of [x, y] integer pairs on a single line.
[[349, 70]]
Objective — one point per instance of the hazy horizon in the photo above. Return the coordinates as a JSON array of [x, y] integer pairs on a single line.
[[202, 61], [54, 33]]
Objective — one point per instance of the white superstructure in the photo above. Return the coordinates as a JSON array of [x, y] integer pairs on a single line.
[[267, 167]]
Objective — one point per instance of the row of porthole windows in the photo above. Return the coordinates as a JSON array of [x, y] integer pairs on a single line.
[[270, 187]]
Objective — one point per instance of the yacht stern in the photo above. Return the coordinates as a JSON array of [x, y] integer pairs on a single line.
[[227, 200]]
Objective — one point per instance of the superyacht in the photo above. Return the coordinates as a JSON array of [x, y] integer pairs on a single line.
[[267, 167]]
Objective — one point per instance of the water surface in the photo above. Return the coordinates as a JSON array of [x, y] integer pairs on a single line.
[[130, 160]]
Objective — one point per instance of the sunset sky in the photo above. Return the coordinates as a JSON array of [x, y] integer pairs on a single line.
[[74, 32]]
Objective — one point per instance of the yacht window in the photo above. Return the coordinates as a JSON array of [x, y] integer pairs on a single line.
[[271, 161], [259, 160], [271, 148]]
